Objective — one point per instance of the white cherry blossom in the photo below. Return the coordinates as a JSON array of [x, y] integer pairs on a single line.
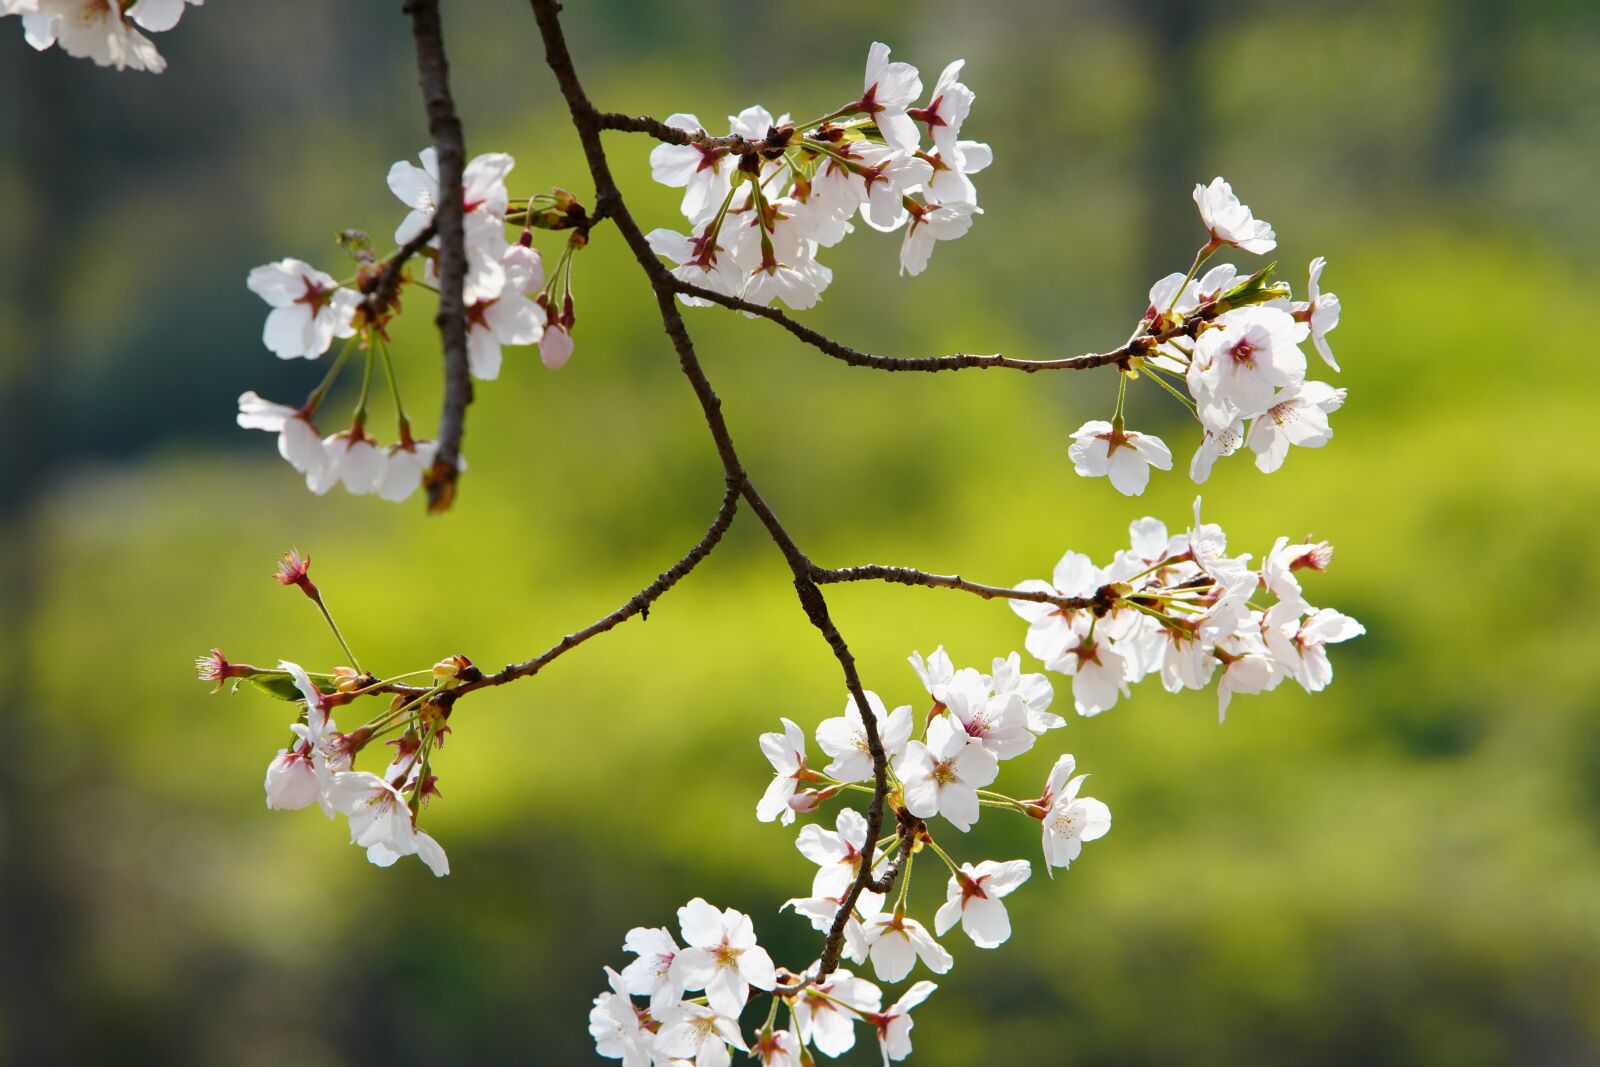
[[721, 956], [699, 1034], [1102, 449], [973, 899], [298, 440], [1300, 645], [844, 738], [895, 943], [930, 224], [1298, 416], [650, 974], [837, 852], [889, 89], [822, 1013], [786, 752], [1242, 360], [1071, 820], [942, 775], [1034, 690], [894, 1025], [618, 1031], [1229, 221], [1320, 311], [309, 309], [97, 30]]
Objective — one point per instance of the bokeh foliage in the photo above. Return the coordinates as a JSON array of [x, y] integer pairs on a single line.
[[1403, 870]]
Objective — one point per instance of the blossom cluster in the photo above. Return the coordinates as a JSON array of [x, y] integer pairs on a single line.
[[759, 211], [509, 302], [317, 766], [1234, 343], [1183, 608], [976, 721], [105, 31]]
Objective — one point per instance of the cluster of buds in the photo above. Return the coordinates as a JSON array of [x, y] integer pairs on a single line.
[[510, 302], [1233, 341], [317, 767], [1181, 607], [100, 30], [763, 200], [975, 722]]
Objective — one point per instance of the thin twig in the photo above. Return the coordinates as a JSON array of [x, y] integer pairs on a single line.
[[733, 143], [444, 127], [876, 572], [1120, 356]]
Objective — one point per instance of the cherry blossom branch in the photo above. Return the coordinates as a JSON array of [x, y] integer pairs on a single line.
[[609, 200], [1119, 356], [444, 126], [875, 572], [613, 120]]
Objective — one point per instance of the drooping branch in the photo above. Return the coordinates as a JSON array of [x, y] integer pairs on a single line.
[[876, 572], [609, 199], [444, 127]]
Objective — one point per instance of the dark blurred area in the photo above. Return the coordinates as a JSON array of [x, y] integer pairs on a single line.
[[1401, 870]]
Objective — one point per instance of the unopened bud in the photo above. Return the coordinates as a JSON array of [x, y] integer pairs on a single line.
[[347, 679]]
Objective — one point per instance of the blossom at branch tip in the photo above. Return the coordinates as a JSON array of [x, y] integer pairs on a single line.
[[942, 774], [889, 90], [1099, 671], [1300, 644], [1231, 222], [1279, 565], [844, 738], [837, 852], [1102, 449], [1070, 819], [895, 942], [826, 1011], [1321, 312], [947, 109], [973, 896], [894, 1025], [786, 752], [309, 309], [721, 957]]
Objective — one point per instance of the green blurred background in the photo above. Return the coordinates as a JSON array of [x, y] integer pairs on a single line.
[[1403, 870]]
